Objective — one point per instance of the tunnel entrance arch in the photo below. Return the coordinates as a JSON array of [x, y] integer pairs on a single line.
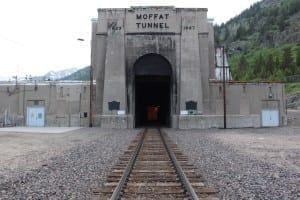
[[152, 80]]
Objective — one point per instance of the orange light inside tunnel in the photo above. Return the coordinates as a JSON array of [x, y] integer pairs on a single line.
[[152, 113]]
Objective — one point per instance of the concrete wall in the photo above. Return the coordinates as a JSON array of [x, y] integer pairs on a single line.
[[66, 104], [244, 103], [217, 121]]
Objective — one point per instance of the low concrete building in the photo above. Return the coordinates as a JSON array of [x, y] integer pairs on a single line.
[[47, 103]]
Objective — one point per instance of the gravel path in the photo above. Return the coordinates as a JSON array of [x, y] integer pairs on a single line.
[[238, 175], [71, 173]]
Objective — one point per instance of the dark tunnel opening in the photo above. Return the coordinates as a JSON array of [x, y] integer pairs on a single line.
[[152, 100]]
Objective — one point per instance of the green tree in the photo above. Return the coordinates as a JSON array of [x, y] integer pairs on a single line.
[[259, 64], [282, 24], [240, 33], [270, 64], [226, 34], [298, 60], [277, 62], [287, 61], [241, 68]]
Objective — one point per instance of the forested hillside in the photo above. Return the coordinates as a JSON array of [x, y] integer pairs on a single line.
[[263, 42]]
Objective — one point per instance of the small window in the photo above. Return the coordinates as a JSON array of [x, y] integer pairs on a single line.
[[40, 116], [85, 114]]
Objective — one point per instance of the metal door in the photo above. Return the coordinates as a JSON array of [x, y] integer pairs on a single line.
[[35, 116], [270, 118]]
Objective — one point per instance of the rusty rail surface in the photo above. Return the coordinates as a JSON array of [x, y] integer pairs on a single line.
[[154, 168]]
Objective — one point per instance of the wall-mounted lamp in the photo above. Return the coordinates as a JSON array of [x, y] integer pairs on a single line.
[[270, 94], [244, 88]]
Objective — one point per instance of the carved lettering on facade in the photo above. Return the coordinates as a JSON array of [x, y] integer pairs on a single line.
[[113, 26], [152, 21], [186, 28]]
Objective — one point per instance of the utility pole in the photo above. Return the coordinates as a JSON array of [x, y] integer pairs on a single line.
[[224, 89], [91, 98], [91, 91]]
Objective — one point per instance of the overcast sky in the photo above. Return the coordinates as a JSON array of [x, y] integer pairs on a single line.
[[37, 36]]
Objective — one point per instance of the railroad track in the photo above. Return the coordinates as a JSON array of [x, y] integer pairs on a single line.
[[154, 168]]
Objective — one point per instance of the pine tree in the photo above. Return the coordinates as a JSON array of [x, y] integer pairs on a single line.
[[242, 65], [270, 64], [287, 61], [259, 63], [240, 33], [227, 33], [298, 60]]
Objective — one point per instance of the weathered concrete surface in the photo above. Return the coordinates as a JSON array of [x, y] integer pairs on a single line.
[[38, 129], [115, 77], [190, 68], [114, 121], [65, 103], [217, 121]]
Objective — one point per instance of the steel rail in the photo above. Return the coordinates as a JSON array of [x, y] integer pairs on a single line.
[[179, 170], [128, 169]]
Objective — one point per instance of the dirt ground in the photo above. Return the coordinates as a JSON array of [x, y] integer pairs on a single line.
[[293, 117], [29, 148], [280, 146]]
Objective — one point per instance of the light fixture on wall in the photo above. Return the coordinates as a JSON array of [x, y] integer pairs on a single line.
[[270, 94]]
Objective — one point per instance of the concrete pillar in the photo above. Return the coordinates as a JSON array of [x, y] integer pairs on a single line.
[[190, 77], [114, 75]]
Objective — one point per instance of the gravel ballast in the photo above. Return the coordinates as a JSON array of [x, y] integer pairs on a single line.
[[71, 172], [241, 163], [237, 174]]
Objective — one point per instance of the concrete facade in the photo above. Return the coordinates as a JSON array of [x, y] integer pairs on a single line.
[[66, 104], [163, 58]]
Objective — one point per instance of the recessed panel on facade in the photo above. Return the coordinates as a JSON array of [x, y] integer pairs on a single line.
[[154, 20]]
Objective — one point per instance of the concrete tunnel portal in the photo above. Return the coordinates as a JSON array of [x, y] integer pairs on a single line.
[[152, 74]]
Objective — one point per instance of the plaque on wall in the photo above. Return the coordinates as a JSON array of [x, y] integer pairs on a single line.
[[113, 105], [191, 105]]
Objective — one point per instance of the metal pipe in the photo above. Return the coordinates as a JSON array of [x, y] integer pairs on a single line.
[[224, 89]]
